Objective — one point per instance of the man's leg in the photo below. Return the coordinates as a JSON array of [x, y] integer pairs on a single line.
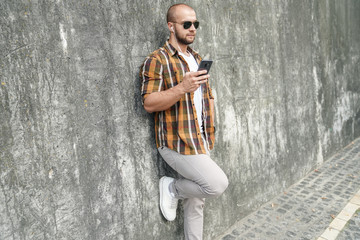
[[202, 178], [193, 218]]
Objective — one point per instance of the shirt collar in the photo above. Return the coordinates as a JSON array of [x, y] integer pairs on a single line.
[[172, 50]]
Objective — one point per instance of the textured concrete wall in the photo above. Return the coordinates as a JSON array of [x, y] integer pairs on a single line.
[[77, 155]]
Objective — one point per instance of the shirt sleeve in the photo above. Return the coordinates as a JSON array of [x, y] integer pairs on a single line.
[[210, 92], [151, 77]]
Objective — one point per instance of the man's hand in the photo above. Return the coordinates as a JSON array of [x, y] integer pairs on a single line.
[[192, 80]]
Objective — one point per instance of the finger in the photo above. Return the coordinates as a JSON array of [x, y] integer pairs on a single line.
[[194, 74], [203, 77], [198, 83], [201, 72], [190, 74]]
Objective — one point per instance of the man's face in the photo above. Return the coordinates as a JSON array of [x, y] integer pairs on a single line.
[[185, 36]]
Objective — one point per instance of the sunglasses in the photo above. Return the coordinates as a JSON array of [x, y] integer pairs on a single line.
[[188, 24]]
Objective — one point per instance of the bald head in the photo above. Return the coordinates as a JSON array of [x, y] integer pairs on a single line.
[[173, 11]]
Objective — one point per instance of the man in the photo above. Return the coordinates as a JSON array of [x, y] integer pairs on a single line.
[[181, 98]]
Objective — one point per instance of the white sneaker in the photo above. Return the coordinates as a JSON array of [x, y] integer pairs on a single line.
[[168, 203]]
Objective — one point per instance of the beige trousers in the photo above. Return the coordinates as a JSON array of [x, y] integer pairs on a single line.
[[200, 178]]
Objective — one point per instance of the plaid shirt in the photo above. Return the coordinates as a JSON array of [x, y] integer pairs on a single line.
[[176, 127]]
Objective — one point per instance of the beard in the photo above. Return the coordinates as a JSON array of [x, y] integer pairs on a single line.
[[183, 40]]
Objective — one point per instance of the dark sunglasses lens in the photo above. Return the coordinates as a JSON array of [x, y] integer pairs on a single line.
[[196, 25], [187, 25]]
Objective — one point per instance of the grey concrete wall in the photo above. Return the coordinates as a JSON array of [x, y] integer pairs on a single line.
[[77, 155]]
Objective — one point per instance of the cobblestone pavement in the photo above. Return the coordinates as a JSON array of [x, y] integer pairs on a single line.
[[307, 208]]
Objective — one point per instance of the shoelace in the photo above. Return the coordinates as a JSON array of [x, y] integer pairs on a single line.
[[173, 202]]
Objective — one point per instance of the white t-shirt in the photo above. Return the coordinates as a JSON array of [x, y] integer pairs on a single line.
[[191, 61]]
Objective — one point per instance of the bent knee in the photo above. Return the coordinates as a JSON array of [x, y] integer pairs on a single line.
[[218, 186]]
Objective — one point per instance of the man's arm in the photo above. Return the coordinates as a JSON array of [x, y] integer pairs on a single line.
[[160, 101], [163, 100]]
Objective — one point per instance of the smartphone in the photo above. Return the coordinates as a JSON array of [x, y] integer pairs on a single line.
[[205, 64]]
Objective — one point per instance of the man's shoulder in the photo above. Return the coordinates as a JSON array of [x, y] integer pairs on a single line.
[[166, 51], [159, 55]]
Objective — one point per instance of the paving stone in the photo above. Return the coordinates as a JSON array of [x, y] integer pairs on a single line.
[[257, 230], [270, 233], [287, 206], [355, 200], [290, 234], [251, 221], [250, 235], [281, 211], [338, 224], [330, 234], [236, 232], [351, 208], [345, 215], [307, 219], [262, 213], [229, 237]]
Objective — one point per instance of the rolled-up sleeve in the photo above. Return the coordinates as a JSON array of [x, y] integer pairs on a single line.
[[151, 77]]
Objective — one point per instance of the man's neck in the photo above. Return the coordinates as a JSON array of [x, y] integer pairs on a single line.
[[179, 46]]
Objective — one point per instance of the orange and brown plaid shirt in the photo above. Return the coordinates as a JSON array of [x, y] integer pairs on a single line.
[[177, 127]]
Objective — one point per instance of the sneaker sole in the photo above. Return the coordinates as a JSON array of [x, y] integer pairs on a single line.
[[161, 198]]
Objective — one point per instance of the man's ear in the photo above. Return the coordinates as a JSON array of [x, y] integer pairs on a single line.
[[171, 27]]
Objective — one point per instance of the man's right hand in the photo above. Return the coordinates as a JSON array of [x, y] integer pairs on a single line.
[[192, 80]]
